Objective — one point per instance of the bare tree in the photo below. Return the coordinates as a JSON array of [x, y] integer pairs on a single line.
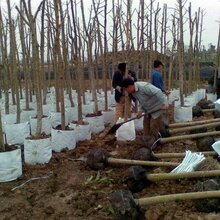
[[103, 44], [5, 61], [174, 29], [13, 61], [76, 56], [89, 38], [180, 47], [190, 51], [30, 20]]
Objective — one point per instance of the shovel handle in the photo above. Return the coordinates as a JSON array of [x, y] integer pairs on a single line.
[[131, 119]]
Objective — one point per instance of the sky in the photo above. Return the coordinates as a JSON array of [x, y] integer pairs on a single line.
[[210, 23]]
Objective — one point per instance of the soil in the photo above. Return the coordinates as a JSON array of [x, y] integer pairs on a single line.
[[80, 123], [9, 148], [35, 137], [67, 128], [75, 192], [99, 113]]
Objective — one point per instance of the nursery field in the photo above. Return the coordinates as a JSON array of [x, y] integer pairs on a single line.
[[69, 189]]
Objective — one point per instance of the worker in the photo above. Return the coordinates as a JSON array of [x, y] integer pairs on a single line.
[[118, 77], [152, 104]]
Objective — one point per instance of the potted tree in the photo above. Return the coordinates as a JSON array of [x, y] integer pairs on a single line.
[[37, 147], [62, 136], [83, 131]]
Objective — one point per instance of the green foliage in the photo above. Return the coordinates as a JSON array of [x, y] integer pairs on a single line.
[[98, 180], [110, 210]]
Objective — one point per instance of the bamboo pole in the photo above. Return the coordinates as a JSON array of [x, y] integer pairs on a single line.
[[177, 197], [189, 136], [208, 110], [192, 128], [185, 175], [176, 125], [144, 163]]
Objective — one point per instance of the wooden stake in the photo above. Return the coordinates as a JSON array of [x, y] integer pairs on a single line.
[[177, 125], [192, 128], [189, 136], [143, 163], [177, 197]]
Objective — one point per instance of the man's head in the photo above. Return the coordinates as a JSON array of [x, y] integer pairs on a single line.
[[158, 64], [122, 67], [128, 84]]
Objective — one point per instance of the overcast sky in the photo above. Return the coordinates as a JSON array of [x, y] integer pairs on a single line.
[[210, 24]]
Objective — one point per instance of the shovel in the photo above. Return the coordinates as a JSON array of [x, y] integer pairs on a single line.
[[115, 127]]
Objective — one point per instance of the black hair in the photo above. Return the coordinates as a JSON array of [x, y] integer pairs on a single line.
[[122, 67], [157, 63], [127, 82]]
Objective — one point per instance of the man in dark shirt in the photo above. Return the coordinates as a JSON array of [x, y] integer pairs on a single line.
[[118, 77]]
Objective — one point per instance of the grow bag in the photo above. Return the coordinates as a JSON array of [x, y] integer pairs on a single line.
[[16, 133], [126, 132], [55, 118], [48, 108], [108, 116], [10, 165], [83, 132], [61, 139], [37, 151], [182, 114], [96, 123], [211, 97], [87, 109], [46, 125], [26, 115], [72, 114]]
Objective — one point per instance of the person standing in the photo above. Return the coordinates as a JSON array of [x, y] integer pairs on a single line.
[[158, 81], [156, 75], [118, 77], [153, 104]]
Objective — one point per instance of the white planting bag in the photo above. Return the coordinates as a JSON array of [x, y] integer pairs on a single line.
[[55, 118], [189, 163], [96, 124], [87, 109], [46, 125], [9, 119], [126, 132], [26, 115], [83, 132], [138, 123], [16, 133], [182, 114], [108, 116], [190, 100], [61, 139], [217, 104], [72, 114], [10, 165], [211, 97], [37, 151], [216, 147], [48, 108], [101, 104]]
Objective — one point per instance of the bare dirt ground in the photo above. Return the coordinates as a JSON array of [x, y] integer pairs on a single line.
[[74, 191]]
